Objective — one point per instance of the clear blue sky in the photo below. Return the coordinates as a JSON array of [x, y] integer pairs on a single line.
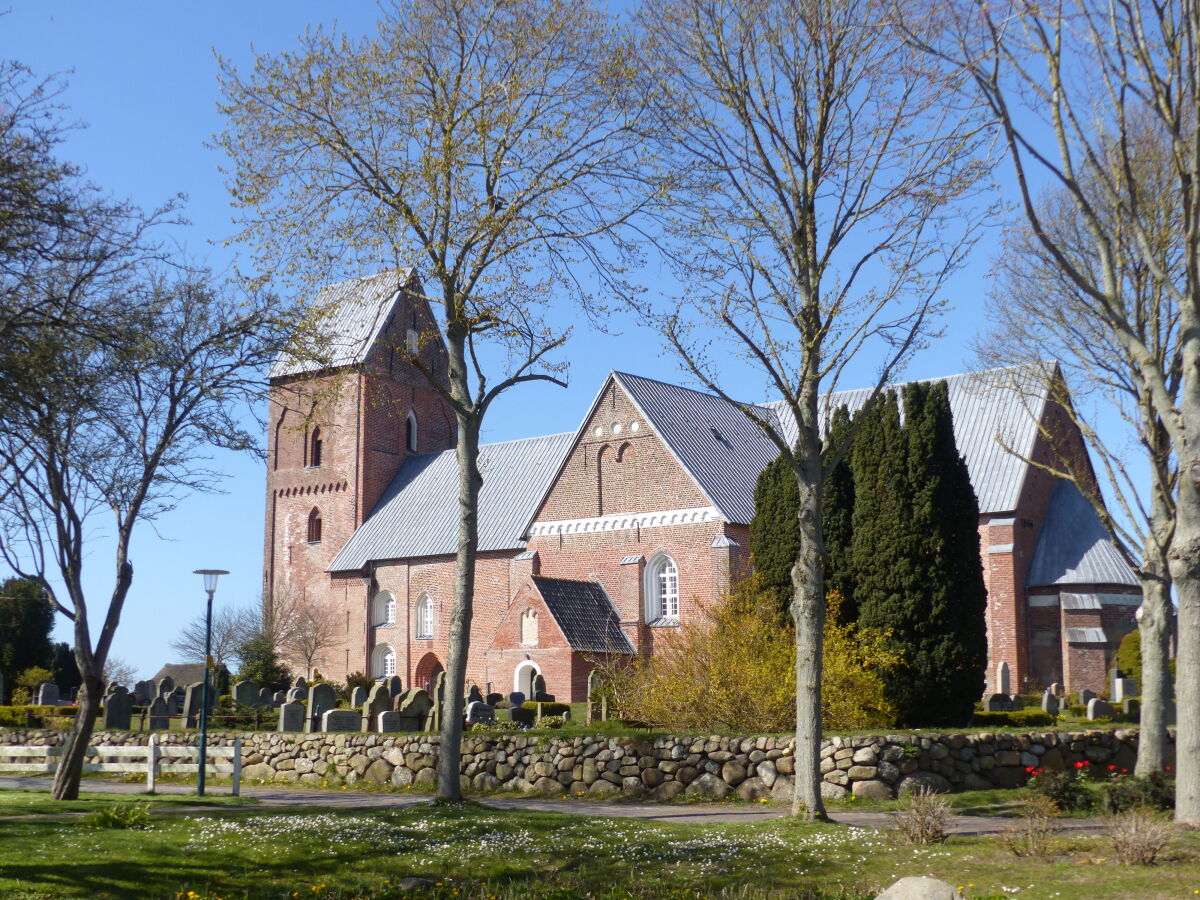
[[142, 77]]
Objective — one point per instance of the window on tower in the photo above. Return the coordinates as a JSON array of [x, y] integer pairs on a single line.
[[314, 448], [314, 526]]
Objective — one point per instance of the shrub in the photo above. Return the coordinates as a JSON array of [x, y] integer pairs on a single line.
[[119, 815], [1065, 790], [1031, 834], [1139, 835], [548, 709], [1021, 718], [1127, 792], [921, 817], [551, 722], [15, 716]]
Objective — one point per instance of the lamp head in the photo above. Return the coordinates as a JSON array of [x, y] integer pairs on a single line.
[[210, 577]]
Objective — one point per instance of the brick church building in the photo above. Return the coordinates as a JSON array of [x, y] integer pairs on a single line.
[[603, 540]]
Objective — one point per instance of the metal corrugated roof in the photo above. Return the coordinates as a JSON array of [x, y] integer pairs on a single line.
[[351, 315], [725, 452], [418, 513], [1080, 601], [586, 615], [1086, 636], [1074, 547]]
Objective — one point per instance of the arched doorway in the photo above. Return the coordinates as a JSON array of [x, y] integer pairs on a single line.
[[523, 678], [427, 670]]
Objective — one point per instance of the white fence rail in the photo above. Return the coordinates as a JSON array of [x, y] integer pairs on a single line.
[[133, 760]]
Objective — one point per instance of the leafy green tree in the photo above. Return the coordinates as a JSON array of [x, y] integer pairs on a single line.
[[261, 663], [26, 619]]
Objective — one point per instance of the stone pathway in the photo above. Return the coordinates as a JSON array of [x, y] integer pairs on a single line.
[[689, 814]]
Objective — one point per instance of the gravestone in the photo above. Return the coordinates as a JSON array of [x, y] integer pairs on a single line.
[[47, 694], [479, 713], [291, 717], [522, 716], [413, 708], [158, 720], [515, 699], [1057, 689], [433, 721], [296, 694], [266, 697], [341, 720], [1002, 679], [321, 697], [358, 696], [388, 721], [166, 685], [144, 692], [998, 703], [279, 698], [172, 701], [539, 684], [543, 697], [1049, 703], [246, 693], [1123, 689], [395, 685], [1085, 697], [191, 703], [118, 707], [1098, 709], [493, 699], [300, 684], [474, 695], [1132, 708], [379, 700]]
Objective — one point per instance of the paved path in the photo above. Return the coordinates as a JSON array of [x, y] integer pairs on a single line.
[[691, 814]]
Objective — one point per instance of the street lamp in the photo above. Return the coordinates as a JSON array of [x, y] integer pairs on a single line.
[[210, 587]]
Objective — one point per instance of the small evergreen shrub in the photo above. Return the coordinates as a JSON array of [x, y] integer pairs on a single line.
[[548, 709], [1021, 718], [15, 716], [1126, 792]]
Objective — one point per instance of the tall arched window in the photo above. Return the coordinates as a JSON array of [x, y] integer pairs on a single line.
[[383, 661], [410, 432], [314, 526], [385, 609], [662, 591], [424, 618], [529, 628], [314, 448]]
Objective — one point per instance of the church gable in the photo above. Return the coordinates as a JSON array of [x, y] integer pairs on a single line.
[[618, 464]]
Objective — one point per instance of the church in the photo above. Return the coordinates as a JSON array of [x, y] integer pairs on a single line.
[[604, 540]]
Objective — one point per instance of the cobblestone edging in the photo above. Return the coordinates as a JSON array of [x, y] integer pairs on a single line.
[[654, 768]]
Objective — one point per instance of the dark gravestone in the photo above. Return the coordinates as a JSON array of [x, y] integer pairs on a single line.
[[47, 694], [358, 696], [296, 694], [474, 695], [246, 693], [1085, 697], [158, 715], [539, 684], [1123, 689], [543, 697], [494, 699], [388, 722], [998, 703], [279, 698], [341, 720], [1132, 708], [321, 698], [516, 698], [395, 685], [522, 716], [379, 700], [166, 686], [413, 708], [191, 704], [1049, 703], [291, 717], [118, 707], [300, 684], [144, 692], [266, 698], [479, 713], [595, 708]]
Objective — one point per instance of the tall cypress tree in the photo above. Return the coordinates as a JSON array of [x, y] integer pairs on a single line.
[[26, 619], [837, 519], [774, 530]]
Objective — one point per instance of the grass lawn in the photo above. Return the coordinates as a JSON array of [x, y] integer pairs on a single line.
[[467, 851], [25, 803]]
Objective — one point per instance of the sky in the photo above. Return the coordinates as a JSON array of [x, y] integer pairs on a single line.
[[141, 78]]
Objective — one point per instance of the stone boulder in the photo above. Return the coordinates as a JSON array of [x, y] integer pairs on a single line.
[[918, 887], [919, 780], [708, 786]]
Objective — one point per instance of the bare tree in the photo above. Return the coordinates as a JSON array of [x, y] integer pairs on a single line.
[[1078, 89], [118, 671], [494, 144], [231, 628], [816, 223], [305, 631], [1038, 313]]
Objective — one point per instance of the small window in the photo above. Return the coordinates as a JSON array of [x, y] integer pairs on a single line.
[[424, 618], [662, 591], [314, 526], [383, 661], [410, 432], [314, 448], [384, 614], [389, 663]]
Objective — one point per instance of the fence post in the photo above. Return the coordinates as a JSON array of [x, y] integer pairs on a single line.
[[151, 763], [237, 767]]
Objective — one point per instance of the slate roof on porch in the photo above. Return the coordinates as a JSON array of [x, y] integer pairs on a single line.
[[586, 615], [1074, 547]]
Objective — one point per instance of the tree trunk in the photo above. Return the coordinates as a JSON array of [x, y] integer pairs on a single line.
[[808, 612], [1185, 573], [70, 764], [469, 482], [1154, 627]]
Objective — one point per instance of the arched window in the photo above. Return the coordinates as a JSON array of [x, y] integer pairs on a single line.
[[385, 609], [662, 591], [424, 618], [383, 661], [314, 448], [410, 432], [529, 628], [314, 526]]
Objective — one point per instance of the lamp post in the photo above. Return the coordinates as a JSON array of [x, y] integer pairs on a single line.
[[210, 587]]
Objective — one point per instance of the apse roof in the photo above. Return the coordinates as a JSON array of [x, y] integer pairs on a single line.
[[418, 513], [352, 315], [1074, 547], [586, 615]]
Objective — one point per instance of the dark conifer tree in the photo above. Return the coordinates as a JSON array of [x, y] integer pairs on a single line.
[[65, 668], [774, 530], [837, 519], [26, 619]]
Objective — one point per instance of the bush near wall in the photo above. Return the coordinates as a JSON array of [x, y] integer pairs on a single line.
[[34, 716]]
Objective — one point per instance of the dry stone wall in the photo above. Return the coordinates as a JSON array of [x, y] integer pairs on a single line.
[[658, 768]]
